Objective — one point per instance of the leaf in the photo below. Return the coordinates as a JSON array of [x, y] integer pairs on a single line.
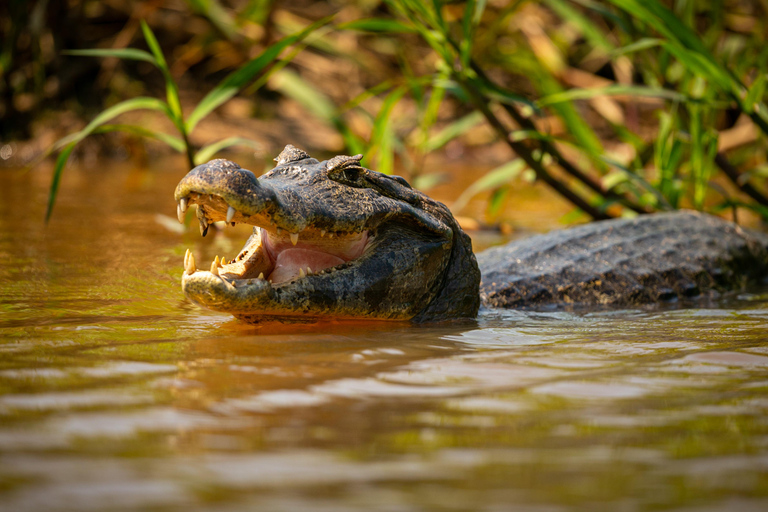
[[154, 46], [683, 42], [424, 182], [639, 45], [377, 25], [494, 179], [453, 130], [614, 179], [69, 142], [217, 15], [756, 92], [312, 99], [171, 90], [591, 32], [174, 142], [120, 53], [574, 123], [316, 102], [58, 169], [382, 135], [210, 150], [228, 87], [610, 90], [142, 102]]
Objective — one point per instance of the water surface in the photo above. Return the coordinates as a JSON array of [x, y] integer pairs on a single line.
[[117, 394]]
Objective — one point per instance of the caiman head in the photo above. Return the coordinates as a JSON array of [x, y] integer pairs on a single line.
[[331, 239]]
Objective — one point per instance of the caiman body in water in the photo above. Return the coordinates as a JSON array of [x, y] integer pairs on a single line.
[[332, 239]]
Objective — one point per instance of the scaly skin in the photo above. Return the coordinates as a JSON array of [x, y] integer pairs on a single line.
[[377, 249], [623, 262], [408, 268]]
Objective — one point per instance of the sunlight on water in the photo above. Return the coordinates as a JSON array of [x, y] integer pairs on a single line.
[[118, 394]]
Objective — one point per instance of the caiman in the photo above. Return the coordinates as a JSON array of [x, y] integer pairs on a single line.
[[332, 239]]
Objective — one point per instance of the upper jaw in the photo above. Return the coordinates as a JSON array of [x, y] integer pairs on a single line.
[[226, 192]]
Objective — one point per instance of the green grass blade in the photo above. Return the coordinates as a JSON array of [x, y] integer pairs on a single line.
[[139, 103], [591, 32], [377, 25], [154, 46], [382, 137], [318, 104], [684, 43], [756, 92], [171, 89], [637, 46], [206, 152], [70, 141], [312, 99], [236, 80], [453, 130], [611, 90], [217, 15], [574, 124], [120, 53], [467, 29], [493, 179], [174, 142], [699, 64], [58, 169]]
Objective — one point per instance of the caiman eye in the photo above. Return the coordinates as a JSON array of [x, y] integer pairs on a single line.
[[345, 169], [351, 174]]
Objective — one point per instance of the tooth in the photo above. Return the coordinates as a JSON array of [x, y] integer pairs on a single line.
[[301, 272], [230, 214], [186, 258], [215, 268], [279, 231], [261, 275], [203, 226], [322, 233], [190, 265], [330, 235], [180, 213], [309, 271], [221, 261], [183, 203], [294, 238]]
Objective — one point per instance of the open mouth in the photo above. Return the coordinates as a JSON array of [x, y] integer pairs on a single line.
[[273, 254], [330, 239]]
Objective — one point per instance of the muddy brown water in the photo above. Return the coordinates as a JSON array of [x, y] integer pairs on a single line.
[[118, 394]]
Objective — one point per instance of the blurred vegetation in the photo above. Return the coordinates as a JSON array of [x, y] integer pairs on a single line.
[[621, 106]]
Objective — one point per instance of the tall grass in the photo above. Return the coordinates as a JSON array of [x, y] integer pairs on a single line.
[[171, 105], [671, 62], [623, 107]]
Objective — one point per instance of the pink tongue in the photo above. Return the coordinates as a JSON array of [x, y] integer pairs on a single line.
[[290, 261]]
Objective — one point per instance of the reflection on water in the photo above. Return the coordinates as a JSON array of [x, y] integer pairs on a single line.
[[117, 394]]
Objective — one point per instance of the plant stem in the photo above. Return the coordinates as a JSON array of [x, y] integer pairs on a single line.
[[188, 146], [523, 152], [735, 176], [571, 169], [559, 159]]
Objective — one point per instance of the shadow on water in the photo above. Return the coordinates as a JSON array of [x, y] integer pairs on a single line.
[[116, 393]]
